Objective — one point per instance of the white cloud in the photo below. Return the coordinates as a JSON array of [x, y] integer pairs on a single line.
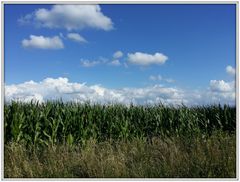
[[117, 54], [41, 42], [58, 88], [169, 80], [155, 78], [76, 37], [230, 70], [103, 59], [51, 88], [115, 63], [160, 78], [145, 59], [27, 19], [151, 77], [222, 86], [221, 91], [100, 60], [88, 63], [70, 17], [221, 97]]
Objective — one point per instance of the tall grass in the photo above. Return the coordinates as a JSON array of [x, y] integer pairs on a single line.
[[212, 157]]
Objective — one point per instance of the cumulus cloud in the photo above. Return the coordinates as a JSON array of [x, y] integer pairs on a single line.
[[221, 91], [88, 63], [41, 42], [51, 89], [169, 80], [222, 86], [160, 78], [27, 19], [221, 97], [117, 55], [100, 60], [155, 78], [76, 37], [70, 17], [145, 59], [230, 70], [115, 63]]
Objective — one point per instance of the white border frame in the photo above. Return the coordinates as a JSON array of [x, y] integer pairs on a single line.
[[119, 2]]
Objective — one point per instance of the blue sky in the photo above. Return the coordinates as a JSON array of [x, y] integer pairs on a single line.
[[183, 47]]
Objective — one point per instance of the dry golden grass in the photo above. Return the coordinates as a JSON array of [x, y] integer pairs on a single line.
[[194, 156]]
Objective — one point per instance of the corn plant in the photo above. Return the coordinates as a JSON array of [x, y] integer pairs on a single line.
[[55, 122]]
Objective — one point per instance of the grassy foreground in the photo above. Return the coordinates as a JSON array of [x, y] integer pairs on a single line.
[[57, 139], [173, 157]]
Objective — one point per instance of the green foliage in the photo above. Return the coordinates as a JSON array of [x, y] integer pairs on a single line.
[[57, 122], [56, 139]]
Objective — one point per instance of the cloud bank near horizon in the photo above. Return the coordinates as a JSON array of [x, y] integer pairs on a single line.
[[61, 88]]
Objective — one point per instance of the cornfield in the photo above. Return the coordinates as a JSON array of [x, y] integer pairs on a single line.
[[56, 122]]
